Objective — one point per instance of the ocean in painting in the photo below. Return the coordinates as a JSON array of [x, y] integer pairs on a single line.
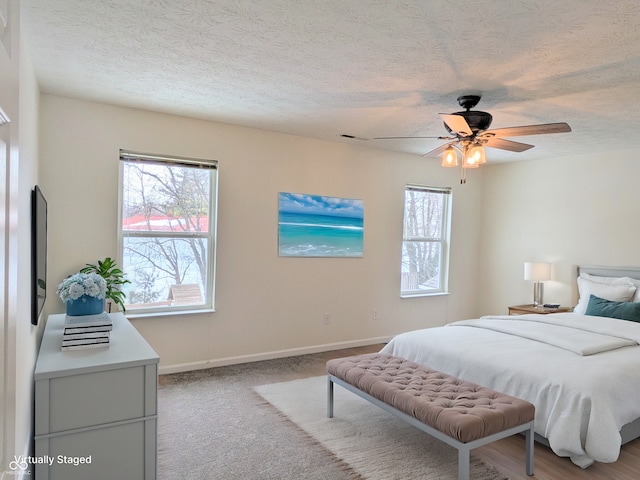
[[323, 230], [320, 235]]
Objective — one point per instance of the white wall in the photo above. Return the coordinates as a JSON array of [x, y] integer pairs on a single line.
[[19, 340], [28, 336], [266, 305], [567, 211]]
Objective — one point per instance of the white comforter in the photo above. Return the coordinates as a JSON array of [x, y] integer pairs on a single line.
[[581, 372]]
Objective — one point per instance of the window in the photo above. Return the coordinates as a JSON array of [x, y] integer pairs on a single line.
[[425, 240], [167, 232]]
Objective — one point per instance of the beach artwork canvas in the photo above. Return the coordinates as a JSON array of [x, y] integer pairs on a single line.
[[319, 226]]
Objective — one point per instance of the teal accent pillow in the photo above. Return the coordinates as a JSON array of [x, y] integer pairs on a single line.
[[606, 308]]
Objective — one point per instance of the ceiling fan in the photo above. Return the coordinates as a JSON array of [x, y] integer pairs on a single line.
[[469, 134]]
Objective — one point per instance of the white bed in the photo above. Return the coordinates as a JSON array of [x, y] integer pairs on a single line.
[[582, 372]]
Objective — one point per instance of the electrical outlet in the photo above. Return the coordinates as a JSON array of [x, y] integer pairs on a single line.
[[326, 318], [375, 315]]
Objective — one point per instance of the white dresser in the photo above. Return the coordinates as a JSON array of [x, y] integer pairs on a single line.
[[96, 409]]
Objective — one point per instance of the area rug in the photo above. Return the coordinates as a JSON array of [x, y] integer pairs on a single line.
[[374, 443]]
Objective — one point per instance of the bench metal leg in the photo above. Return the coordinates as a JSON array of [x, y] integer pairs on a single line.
[[529, 443], [329, 397], [463, 463]]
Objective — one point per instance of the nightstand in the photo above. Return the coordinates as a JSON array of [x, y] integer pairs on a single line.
[[522, 309]]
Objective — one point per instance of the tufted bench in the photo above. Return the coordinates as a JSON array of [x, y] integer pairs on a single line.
[[462, 414]]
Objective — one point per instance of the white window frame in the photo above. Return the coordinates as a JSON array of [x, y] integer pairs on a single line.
[[210, 235], [409, 286]]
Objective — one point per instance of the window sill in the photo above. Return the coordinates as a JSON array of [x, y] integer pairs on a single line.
[[134, 316], [423, 294]]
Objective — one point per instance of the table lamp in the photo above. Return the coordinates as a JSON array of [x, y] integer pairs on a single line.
[[538, 273]]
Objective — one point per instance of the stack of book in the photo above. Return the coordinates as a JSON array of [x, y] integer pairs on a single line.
[[86, 331]]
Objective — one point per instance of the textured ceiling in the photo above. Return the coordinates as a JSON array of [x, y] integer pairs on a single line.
[[369, 68]]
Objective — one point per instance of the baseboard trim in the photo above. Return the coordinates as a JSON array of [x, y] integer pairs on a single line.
[[257, 357]]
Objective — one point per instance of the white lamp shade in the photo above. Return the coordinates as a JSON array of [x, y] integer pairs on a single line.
[[537, 272]]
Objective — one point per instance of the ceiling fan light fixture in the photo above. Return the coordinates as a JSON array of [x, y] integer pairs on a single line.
[[450, 157], [469, 164], [475, 156]]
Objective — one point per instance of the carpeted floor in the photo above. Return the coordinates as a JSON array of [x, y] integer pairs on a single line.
[[212, 425]]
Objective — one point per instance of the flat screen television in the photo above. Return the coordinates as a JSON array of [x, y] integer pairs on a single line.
[[38, 253]]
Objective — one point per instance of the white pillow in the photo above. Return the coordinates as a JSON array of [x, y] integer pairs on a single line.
[[614, 292], [616, 281]]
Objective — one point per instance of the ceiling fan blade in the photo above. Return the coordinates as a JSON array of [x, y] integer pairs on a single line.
[[510, 145], [400, 138], [457, 123], [354, 137], [530, 130], [437, 151]]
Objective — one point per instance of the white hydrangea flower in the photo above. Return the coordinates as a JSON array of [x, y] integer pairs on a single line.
[[79, 284]]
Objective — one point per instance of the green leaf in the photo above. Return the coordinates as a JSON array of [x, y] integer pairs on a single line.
[[108, 269]]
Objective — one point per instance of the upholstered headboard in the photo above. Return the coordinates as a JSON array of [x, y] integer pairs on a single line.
[[601, 271]]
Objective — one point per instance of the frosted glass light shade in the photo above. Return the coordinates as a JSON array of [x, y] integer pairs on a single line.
[[537, 272], [475, 157], [450, 157]]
